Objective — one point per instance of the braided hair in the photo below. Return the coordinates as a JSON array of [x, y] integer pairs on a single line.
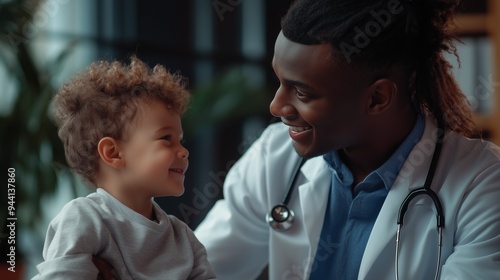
[[379, 33]]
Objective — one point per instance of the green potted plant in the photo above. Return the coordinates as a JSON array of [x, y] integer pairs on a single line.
[[28, 143]]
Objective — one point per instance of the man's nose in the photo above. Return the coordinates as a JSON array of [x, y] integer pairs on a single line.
[[280, 105]]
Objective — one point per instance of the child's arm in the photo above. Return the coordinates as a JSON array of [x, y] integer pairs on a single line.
[[72, 238], [201, 267], [106, 271]]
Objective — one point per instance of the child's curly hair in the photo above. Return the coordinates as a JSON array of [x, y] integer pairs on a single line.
[[100, 102]]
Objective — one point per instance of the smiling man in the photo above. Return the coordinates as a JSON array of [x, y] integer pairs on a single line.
[[331, 105], [367, 98]]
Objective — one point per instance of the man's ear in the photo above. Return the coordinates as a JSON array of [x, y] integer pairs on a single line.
[[109, 152], [383, 94]]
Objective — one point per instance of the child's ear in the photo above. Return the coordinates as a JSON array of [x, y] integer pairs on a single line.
[[109, 152]]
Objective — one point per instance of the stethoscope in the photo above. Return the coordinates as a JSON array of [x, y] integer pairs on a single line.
[[425, 190], [280, 218]]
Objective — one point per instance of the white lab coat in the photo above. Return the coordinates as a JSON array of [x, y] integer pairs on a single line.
[[240, 243]]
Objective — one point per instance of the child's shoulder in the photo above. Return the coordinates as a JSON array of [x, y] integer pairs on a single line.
[[178, 225], [81, 208], [85, 204], [79, 218], [176, 222]]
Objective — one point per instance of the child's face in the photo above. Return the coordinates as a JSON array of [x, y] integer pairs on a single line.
[[155, 160]]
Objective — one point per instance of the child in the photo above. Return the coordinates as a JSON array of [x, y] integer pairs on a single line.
[[122, 133]]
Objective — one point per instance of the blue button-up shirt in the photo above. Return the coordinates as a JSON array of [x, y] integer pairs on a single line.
[[351, 212]]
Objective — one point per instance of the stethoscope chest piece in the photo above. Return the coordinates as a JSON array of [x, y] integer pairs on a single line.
[[280, 218]]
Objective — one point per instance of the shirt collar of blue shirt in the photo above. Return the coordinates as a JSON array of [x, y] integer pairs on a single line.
[[388, 171]]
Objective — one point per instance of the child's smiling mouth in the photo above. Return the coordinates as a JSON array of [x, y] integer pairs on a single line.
[[178, 170]]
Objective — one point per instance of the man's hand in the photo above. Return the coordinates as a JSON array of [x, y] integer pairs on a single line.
[[106, 271]]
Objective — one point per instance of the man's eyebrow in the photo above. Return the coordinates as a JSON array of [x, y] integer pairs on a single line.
[[297, 84]]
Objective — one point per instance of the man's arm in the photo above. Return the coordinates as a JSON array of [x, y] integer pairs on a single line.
[[476, 253], [234, 232]]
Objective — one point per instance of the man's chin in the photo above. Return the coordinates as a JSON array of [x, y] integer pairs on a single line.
[[307, 152]]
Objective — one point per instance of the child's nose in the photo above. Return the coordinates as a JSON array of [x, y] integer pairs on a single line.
[[183, 153]]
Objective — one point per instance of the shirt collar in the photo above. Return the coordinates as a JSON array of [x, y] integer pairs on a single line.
[[388, 171]]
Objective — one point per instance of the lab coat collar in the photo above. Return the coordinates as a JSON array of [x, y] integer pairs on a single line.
[[411, 176], [415, 169]]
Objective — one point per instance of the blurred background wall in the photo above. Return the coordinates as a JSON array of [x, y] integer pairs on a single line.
[[224, 47]]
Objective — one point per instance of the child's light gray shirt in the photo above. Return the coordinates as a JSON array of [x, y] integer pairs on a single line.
[[136, 247]]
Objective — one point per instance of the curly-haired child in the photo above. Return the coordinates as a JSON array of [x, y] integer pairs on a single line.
[[121, 129]]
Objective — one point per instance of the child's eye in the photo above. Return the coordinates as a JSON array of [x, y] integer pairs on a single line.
[[167, 137]]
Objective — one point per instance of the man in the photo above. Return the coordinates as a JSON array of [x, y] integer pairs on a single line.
[[363, 89]]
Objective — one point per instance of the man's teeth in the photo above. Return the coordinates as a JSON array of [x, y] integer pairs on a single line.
[[299, 128]]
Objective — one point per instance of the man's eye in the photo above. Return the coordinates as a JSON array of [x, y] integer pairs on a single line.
[[300, 94]]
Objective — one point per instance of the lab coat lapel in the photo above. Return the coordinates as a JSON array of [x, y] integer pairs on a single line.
[[313, 200], [383, 232], [411, 176]]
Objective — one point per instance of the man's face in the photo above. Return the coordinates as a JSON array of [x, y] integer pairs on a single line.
[[323, 101]]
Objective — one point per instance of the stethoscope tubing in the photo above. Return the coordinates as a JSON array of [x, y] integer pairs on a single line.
[[289, 192], [425, 190], [280, 218]]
